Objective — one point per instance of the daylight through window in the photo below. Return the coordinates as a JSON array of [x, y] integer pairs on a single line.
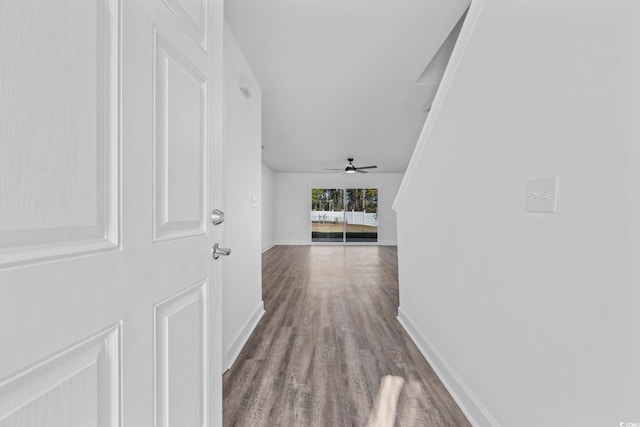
[[344, 215]]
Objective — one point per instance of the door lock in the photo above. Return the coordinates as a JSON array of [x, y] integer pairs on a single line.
[[217, 217]]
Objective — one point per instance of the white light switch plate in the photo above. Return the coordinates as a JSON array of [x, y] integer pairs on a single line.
[[542, 195]]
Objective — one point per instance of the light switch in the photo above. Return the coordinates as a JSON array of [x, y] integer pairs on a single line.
[[255, 201], [542, 195]]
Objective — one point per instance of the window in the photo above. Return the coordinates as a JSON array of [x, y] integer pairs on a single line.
[[344, 215]]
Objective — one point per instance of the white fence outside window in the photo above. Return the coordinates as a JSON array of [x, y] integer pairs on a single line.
[[352, 217]]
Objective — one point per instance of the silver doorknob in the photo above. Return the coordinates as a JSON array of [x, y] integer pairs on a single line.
[[217, 251]]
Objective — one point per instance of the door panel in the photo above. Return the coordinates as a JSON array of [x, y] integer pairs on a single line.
[[193, 15], [78, 386], [180, 144], [182, 358], [58, 182], [109, 299]]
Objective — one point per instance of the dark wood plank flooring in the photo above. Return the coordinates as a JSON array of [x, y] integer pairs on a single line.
[[327, 338]]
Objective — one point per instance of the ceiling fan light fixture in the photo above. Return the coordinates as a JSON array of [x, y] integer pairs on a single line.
[[352, 169]]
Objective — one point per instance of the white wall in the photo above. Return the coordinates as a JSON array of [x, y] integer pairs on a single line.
[[242, 270], [532, 319], [293, 195], [268, 207]]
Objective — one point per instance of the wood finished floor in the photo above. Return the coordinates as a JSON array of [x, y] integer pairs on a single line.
[[327, 338]]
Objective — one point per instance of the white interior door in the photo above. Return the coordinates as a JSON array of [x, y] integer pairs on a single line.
[[110, 139]]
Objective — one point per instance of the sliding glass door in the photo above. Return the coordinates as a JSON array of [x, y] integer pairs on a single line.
[[327, 215], [361, 215], [349, 215]]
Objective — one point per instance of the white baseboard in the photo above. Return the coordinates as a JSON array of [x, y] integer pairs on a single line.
[[291, 243], [241, 338], [307, 243], [267, 247], [477, 414]]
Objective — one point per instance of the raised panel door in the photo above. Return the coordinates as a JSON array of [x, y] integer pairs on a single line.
[[110, 146]]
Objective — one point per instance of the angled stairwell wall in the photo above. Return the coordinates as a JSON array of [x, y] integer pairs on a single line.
[[530, 319]]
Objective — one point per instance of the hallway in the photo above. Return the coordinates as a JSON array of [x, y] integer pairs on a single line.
[[328, 336]]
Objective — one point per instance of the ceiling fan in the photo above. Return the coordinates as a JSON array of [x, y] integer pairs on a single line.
[[352, 169]]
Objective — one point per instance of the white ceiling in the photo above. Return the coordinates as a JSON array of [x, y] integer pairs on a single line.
[[339, 76]]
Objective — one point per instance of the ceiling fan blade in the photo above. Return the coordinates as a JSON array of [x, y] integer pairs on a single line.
[[368, 167], [359, 171], [334, 170]]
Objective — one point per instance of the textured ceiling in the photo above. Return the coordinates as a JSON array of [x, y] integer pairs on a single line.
[[339, 76]]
